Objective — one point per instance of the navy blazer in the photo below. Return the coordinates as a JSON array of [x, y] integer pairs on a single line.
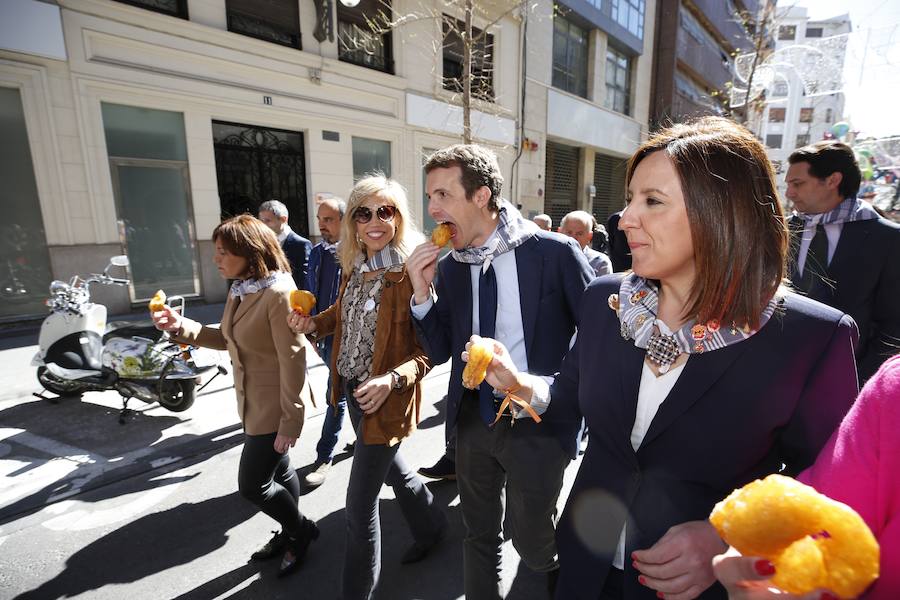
[[734, 415], [553, 273], [863, 280], [297, 248]]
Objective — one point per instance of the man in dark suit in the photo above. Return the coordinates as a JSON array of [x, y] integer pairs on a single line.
[[507, 280], [297, 248], [619, 253], [843, 253]]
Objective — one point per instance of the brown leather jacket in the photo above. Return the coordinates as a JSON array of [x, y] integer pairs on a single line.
[[396, 348]]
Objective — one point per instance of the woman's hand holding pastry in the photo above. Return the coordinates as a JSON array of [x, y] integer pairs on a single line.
[[301, 323], [167, 319]]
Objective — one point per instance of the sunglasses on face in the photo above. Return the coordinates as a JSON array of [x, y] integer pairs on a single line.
[[385, 212]]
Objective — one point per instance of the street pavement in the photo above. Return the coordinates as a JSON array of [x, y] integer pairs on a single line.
[[91, 508]]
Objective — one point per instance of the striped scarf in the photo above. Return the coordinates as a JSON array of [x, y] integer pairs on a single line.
[[636, 305], [512, 231]]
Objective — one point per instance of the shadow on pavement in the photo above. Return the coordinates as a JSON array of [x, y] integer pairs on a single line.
[[147, 546], [88, 438], [163, 540], [436, 419]]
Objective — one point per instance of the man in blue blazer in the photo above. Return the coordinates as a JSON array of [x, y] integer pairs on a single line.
[[844, 253], [296, 247], [324, 281], [507, 280]]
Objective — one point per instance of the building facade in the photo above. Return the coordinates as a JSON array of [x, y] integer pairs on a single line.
[[696, 42], [794, 118], [586, 104], [136, 126]]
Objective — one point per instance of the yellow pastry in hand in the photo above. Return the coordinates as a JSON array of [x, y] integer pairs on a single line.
[[813, 541], [302, 301], [441, 235], [481, 353], [157, 302]]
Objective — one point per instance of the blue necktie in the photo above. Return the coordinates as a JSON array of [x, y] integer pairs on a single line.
[[487, 326]]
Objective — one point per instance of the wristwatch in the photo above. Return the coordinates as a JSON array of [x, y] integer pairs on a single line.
[[399, 381]]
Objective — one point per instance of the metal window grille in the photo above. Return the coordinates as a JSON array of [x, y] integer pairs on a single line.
[[609, 181], [276, 21], [173, 8], [562, 180], [361, 40]]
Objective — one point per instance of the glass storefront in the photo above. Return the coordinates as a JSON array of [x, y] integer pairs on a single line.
[[24, 261], [148, 162]]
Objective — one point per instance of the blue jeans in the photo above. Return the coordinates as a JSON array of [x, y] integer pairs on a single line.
[[334, 415]]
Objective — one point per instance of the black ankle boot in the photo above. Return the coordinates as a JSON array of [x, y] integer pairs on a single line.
[[297, 547], [273, 547]]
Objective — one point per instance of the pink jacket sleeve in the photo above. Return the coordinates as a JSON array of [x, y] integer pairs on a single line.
[[860, 466]]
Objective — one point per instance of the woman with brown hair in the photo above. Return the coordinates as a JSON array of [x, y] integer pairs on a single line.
[[696, 373], [269, 375], [378, 363]]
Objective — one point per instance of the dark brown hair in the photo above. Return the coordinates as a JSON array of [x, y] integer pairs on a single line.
[[827, 157], [737, 225], [248, 237], [479, 167]]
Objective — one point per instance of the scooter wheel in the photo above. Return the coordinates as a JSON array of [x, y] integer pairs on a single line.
[[60, 387], [177, 395]]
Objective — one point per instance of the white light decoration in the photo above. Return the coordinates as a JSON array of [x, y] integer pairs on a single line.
[[350, 3], [817, 65]]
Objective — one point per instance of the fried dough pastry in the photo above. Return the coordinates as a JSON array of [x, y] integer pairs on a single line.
[[441, 235], [813, 541], [481, 353], [302, 301], [157, 302]]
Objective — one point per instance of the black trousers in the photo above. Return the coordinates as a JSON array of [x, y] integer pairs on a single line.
[[266, 479]]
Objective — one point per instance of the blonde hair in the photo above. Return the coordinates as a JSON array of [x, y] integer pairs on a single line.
[[406, 236]]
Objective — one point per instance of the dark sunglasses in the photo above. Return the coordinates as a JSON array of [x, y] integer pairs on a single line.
[[385, 212]]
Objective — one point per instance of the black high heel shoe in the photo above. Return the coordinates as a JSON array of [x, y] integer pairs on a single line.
[[297, 547], [273, 547]]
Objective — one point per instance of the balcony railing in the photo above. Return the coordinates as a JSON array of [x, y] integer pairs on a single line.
[[261, 29], [360, 46], [707, 62], [719, 14]]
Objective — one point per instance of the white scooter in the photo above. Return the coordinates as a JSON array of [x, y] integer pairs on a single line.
[[80, 352]]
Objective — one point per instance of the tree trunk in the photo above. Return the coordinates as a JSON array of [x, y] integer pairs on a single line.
[[467, 76]]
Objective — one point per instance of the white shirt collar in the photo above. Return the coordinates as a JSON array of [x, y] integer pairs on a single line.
[[285, 231]]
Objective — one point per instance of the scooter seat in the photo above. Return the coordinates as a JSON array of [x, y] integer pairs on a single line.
[[130, 329]]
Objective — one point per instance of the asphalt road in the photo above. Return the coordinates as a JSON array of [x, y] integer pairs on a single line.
[[90, 508]]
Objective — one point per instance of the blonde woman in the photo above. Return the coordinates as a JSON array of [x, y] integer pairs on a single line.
[[378, 363]]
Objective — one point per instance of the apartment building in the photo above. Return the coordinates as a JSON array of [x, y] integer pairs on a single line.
[[135, 126], [696, 42], [795, 114], [586, 103]]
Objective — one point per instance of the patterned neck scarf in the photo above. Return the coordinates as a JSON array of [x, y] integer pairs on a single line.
[[851, 209], [512, 231], [636, 305], [387, 258], [245, 287]]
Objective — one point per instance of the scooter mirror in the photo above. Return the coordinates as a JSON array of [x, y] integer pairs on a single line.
[[119, 261]]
